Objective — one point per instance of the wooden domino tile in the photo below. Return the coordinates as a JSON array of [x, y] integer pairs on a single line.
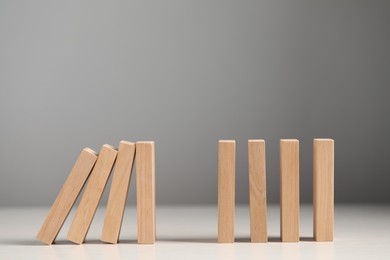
[[146, 192], [226, 190], [118, 192], [323, 189], [92, 194], [289, 190], [257, 191], [67, 196]]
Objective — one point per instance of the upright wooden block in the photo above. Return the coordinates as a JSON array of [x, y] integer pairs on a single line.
[[289, 190], [92, 194], [226, 190], [257, 191], [323, 189], [118, 192], [67, 196], [146, 192]]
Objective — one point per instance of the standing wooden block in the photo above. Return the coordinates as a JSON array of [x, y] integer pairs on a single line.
[[289, 190], [118, 193], [257, 191], [323, 189], [146, 192], [92, 194], [67, 196], [226, 190]]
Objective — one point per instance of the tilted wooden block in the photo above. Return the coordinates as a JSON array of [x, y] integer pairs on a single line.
[[226, 190], [146, 192], [257, 191], [92, 194], [289, 190], [323, 189], [67, 196], [118, 192]]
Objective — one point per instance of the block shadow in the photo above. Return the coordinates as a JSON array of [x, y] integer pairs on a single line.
[[271, 239]]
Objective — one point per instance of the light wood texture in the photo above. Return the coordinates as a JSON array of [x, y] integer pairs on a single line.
[[257, 191], [226, 190], [289, 190], [118, 192], [146, 192], [92, 194], [67, 196], [323, 189]]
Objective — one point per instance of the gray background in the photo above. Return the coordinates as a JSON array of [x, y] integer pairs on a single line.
[[185, 74]]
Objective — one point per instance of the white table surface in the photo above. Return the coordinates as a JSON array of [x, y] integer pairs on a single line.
[[190, 232]]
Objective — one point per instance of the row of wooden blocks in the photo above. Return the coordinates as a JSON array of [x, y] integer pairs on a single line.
[[323, 190], [97, 167]]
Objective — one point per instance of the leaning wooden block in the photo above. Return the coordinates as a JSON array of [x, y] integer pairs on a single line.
[[289, 190], [257, 191], [67, 196], [92, 194], [226, 190], [146, 192], [118, 192], [323, 189]]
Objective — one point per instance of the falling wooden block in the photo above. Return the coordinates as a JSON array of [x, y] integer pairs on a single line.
[[226, 190], [67, 196], [92, 194], [289, 190], [118, 192], [323, 189], [146, 192], [257, 191]]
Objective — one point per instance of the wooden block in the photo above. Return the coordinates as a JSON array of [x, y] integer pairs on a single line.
[[289, 190], [92, 194], [323, 189], [146, 192], [67, 196], [226, 190], [118, 192], [257, 191]]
